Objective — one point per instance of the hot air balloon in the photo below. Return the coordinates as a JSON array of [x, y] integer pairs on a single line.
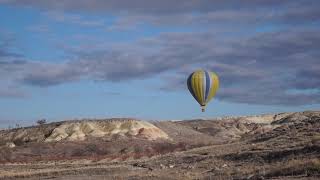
[[203, 86]]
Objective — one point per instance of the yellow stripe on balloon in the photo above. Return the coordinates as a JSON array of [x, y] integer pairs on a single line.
[[214, 86], [197, 86]]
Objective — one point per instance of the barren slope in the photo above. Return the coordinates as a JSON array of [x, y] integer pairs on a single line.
[[279, 146]]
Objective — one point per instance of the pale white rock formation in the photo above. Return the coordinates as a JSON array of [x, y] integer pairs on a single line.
[[10, 145], [77, 131]]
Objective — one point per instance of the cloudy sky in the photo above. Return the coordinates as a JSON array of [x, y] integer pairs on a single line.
[[130, 58]]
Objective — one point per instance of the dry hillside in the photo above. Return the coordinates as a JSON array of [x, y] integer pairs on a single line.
[[274, 146]]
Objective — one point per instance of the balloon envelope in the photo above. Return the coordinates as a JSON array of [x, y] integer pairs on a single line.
[[203, 86]]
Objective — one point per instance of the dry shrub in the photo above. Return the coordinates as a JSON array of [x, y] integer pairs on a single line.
[[315, 139], [314, 166], [139, 155], [18, 142], [165, 147], [6, 155], [125, 157]]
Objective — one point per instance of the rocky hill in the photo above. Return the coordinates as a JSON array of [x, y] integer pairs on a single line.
[[277, 146], [81, 130]]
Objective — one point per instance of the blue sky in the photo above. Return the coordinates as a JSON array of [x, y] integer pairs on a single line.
[[103, 59]]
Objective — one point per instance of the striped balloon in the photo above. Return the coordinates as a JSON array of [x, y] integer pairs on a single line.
[[203, 86]]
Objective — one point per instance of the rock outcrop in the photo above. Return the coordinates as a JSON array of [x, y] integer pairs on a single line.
[[76, 131]]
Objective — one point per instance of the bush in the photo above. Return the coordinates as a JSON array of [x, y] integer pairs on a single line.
[[41, 121]]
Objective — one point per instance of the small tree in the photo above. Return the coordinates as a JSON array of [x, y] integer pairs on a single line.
[[18, 125], [41, 121]]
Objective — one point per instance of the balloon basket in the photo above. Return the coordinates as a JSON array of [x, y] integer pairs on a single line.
[[203, 108]]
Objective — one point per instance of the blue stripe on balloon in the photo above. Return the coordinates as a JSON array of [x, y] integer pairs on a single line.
[[190, 87], [208, 85]]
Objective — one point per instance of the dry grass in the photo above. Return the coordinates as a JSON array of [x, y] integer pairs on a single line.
[[306, 167]]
